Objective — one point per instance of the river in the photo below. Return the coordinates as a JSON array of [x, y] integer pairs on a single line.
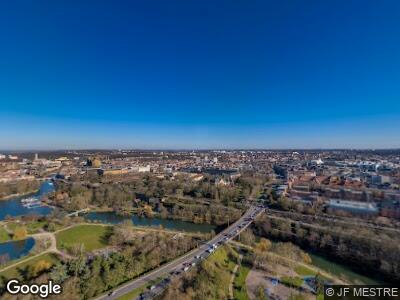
[[341, 271], [17, 249], [113, 218], [13, 207]]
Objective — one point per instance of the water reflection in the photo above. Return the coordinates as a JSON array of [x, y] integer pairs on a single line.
[[113, 218]]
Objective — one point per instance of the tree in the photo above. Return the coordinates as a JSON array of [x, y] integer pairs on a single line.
[[5, 258], [319, 284], [40, 266], [306, 258], [260, 293], [263, 245], [247, 237], [59, 273], [20, 233]]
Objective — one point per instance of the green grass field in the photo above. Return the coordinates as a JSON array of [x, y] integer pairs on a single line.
[[221, 257], [222, 265], [240, 292], [304, 271], [34, 227], [4, 236], [22, 270], [91, 236], [295, 282], [12, 225]]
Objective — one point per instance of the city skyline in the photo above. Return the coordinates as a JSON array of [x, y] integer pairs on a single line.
[[224, 75]]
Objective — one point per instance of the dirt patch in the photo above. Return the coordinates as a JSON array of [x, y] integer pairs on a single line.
[[257, 278]]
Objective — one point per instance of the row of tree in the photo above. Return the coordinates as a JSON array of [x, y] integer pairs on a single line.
[[19, 187], [364, 249], [85, 277], [138, 195]]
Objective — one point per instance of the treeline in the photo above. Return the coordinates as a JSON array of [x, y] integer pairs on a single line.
[[361, 248], [216, 204], [78, 195], [150, 186], [211, 214], [19, 187]]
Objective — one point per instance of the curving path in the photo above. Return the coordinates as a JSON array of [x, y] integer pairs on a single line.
[[50, 236]]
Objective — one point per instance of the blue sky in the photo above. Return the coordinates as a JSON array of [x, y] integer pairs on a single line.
[[199, 74]]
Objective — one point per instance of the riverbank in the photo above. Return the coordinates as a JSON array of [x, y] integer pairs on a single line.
[[29, 193], [141, 221], [341, 271]]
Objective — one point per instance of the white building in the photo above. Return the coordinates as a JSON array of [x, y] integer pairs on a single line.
[[353, 205], [141, 169]]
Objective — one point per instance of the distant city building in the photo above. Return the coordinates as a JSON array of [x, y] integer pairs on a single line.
[[144, 169]]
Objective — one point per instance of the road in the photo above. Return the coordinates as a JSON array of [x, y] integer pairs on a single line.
[[185, 262]]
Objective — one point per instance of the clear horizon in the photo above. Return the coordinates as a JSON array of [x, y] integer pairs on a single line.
[[179, 75]]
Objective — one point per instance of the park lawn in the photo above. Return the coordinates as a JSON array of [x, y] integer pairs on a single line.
[[4, 236], [222, 264], [91, 236], [12, 225], [239, 284], [295, 282], [221, 257], [19, 270], [304, 271], [34, 227]]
